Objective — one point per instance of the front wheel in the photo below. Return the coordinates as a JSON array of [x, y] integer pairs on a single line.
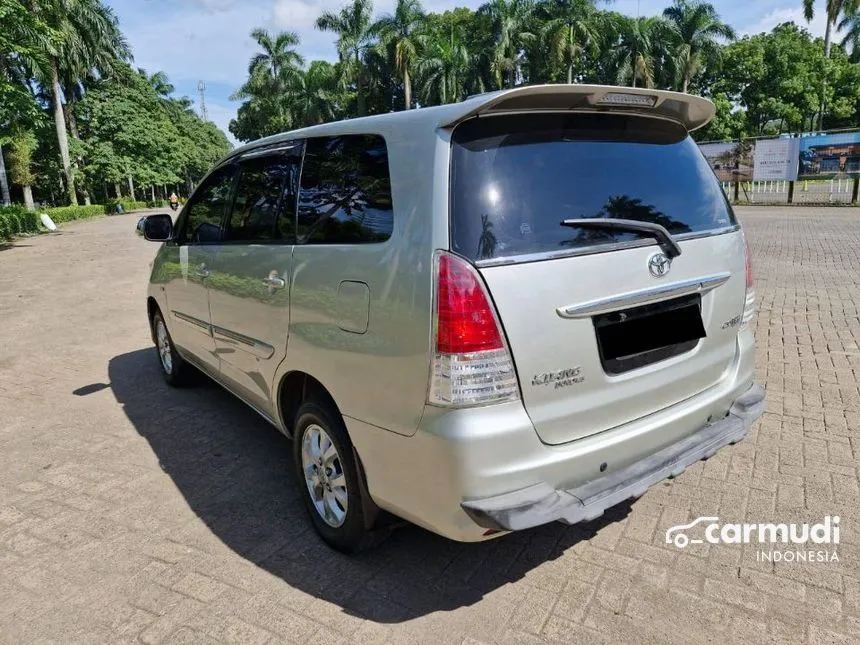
[[328, 477], [174, 369]]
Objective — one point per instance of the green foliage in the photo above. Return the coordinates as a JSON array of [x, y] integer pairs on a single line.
[[118, 124], [20, 157], [16, 220], [775, 77], [760, 83], [70, 213]]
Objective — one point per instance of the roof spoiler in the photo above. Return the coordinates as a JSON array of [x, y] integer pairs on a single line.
[[692, 112]]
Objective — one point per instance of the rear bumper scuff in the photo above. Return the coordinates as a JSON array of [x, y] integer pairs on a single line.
[[540, 503]]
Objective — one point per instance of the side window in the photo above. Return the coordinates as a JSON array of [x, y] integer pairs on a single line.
[[345, 196], [206, 209], [264, 208]]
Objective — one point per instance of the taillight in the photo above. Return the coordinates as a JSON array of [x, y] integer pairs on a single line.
[[471, 362], [749, 302]]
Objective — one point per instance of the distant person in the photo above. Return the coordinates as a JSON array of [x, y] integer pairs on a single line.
[[174, 201]]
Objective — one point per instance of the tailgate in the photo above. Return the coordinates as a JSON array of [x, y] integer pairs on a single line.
[[601, 329], [620, 353]]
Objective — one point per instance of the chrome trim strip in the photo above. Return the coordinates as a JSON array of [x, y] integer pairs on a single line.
[[644, 296], [265, 152], [598, 248], [202, 325], [252, 345]]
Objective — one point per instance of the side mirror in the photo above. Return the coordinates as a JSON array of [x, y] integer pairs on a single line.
[[155, 228]]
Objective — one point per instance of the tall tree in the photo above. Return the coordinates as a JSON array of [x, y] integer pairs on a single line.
[[314, 96], [279, 58], [571, 27], [641, 48], [398, 36], [850, 26], [352, 25], [443, 68], [699, 30], [88, 38], [21, 165], [833, 9], [510, 22]]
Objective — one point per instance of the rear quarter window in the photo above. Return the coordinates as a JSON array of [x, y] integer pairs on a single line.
[[515, 178], [345, 195]]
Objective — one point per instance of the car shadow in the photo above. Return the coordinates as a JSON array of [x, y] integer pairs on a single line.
[[234, 470]]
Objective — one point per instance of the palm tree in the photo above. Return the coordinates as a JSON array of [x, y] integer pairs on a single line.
[[398, 36], [272, 73], [443, 68], [834, 9], [279, 55], [699, 29], [314, 95], [87, 39], [850, 26], [159, 82], [353, 28], [639, 49], [571, 27], [510, 20]]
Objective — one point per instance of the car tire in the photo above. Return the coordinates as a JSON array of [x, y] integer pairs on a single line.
[[175, 370], [328, 478]]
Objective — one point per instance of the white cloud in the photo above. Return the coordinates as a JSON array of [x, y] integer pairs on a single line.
[[790, 14], [191, 44]]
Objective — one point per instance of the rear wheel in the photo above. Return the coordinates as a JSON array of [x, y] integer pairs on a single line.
[[328, 477], [174, 369]]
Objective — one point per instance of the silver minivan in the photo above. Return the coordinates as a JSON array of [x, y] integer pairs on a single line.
[[480, 317]]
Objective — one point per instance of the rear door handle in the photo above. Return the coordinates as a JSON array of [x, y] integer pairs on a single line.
[[274, 281]]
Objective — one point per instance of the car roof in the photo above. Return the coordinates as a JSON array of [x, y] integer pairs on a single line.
[[691, 111]]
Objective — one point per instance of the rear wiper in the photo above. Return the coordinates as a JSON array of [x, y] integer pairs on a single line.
[[667, 243]]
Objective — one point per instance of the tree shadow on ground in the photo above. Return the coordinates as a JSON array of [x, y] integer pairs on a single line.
[[235, 472]]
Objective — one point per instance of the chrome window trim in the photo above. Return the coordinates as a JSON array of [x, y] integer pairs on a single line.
[[598, 248], [644, 296], [266, 152]]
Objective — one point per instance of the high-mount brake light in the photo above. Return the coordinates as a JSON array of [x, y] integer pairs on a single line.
[[623, 98]]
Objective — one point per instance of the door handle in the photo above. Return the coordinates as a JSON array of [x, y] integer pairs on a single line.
[[202, 271], [274, 281]]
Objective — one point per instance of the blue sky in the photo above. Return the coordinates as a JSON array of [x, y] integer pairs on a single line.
[[193, 40]]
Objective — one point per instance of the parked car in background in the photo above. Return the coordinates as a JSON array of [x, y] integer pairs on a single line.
[[480, 317]]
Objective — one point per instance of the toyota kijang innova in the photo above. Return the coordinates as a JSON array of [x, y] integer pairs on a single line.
[[481, 317]]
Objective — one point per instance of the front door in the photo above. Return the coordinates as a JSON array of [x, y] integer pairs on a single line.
[[198, 241], [249, 296]]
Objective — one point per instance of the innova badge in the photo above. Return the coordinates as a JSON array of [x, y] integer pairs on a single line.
[[659, 265]]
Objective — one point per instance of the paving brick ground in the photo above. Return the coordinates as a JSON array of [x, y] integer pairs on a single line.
[[133, 513]]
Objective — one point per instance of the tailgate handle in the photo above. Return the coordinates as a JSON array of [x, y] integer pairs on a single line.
[[644, 296]]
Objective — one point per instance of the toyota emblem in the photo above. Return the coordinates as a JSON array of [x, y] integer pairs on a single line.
[[659, 265]]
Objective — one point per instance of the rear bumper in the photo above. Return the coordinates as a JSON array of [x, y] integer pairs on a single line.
[[540, 503], [469, 470]]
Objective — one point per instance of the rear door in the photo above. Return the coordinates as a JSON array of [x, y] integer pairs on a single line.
[[249, 293], [603, 327]]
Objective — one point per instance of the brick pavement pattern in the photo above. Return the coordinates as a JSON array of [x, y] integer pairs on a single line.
[[130, 512]]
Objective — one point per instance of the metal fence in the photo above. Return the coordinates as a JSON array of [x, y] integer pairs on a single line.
[[806, 191]]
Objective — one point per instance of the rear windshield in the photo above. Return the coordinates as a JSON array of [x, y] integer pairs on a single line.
[[515, 178]]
